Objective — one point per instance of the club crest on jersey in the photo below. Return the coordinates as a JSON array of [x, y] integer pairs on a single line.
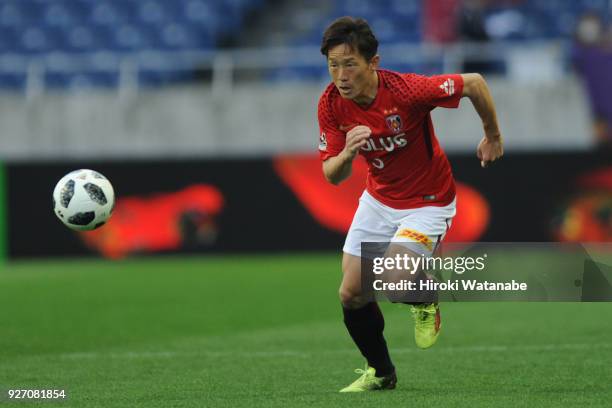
[[394, 122], [323, 142]]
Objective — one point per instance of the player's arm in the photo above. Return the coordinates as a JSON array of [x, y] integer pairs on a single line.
[[491, 147], [338, 168]]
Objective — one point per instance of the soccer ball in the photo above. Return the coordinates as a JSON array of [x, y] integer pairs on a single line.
[[83, 200]]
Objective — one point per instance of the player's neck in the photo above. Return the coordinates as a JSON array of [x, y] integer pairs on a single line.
[[369, 92]]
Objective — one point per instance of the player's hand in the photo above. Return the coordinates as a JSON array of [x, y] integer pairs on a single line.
[[355, 139], [489, 150]]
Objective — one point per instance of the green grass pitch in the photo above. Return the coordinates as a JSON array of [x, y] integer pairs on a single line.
[[266, 331]]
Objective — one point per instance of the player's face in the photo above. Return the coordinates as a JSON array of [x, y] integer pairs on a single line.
[[351, 73]]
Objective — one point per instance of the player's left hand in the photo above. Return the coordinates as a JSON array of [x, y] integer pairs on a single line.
[[489, 150]]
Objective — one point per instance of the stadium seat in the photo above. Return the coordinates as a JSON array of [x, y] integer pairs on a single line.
[[61, 14], [37, 40], [155, 12], [175, 36], [153, 78], [129, 37], [12, 80], [71, 80], [81, 39], [11, 15], [8, 40], [107, 13]]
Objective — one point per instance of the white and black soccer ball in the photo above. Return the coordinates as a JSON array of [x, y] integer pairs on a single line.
[[83, 200]]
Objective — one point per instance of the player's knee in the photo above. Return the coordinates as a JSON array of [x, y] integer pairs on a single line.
[[345, 295], [350, 299], [350, 289]]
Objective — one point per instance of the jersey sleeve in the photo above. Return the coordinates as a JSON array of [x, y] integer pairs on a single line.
[[439, 90], [331, 139]]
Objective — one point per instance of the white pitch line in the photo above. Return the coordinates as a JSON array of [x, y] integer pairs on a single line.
[[302, 354]]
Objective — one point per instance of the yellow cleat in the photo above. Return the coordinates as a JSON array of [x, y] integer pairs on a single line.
[[427, 324], [369, 382]]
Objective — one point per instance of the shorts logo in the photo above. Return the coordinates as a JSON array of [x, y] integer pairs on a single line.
[[323, 142], [394, 122], [416, 237]]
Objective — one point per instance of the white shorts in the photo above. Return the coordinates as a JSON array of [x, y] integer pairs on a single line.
[[376, 222]]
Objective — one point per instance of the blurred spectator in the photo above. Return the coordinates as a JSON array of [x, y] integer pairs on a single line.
[[439, 20], [472, 27], [592, 58], [472, 22], [589, 30]]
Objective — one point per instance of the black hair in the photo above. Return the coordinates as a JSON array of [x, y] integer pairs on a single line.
[[354, 32]]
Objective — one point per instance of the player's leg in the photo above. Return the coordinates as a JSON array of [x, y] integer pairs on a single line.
[[350, 288], [362, 316], [424, 303], [365, 324], [419, 234], [408, 252]]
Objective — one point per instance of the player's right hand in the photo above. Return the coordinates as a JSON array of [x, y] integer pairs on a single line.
[[489, 150], [355, 139]]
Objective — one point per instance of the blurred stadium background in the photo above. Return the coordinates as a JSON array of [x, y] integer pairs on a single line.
[[203, 115]]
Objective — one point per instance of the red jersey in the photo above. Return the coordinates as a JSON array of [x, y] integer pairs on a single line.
[[406, 166]]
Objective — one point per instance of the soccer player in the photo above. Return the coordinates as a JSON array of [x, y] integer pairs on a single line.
[[410, 194]]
